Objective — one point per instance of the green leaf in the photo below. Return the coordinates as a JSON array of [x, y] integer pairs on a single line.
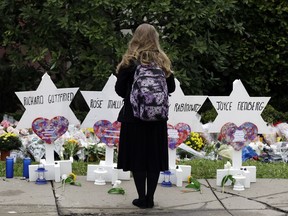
[[68, 180], [76, 183], [194, 184], [226, 178], [116, 191]]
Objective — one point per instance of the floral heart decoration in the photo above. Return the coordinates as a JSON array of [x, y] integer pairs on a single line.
[[238, 137], [177, 134], [107, 132], [50, 130]]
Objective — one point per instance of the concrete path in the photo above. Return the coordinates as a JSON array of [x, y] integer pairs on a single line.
[[20, 197]]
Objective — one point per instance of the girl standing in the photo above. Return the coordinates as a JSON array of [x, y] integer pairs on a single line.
[[143, 145]]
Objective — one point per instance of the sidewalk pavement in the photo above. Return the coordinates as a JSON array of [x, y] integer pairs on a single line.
[[20, 197]]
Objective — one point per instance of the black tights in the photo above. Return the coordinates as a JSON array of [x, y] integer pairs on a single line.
[[140, 183]]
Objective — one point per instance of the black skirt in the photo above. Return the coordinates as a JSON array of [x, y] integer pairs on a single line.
[[143, 146]]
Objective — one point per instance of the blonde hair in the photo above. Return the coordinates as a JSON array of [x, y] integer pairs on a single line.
[[145, 47]]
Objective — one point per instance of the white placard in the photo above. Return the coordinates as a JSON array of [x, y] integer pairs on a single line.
[[104, 105], [47, 102], [184, 109], [239, 136], [238, 108]]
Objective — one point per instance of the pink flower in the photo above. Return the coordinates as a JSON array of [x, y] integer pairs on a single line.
[[5, 123]]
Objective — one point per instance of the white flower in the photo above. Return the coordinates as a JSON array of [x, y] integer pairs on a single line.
[[24, 131], [117, 183], [227, 165], [101, 145], [257, 147], [64, 176]]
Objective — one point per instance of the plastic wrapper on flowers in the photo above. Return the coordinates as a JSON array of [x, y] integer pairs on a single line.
[[191, 146], [75, 142], [224, 151], [258, 150], [281, 149], [257, 146], [90, 136], [74, 132], [282, 130], [271, 138], [71, 147], [191, 150], [35, 147], [205, 145]]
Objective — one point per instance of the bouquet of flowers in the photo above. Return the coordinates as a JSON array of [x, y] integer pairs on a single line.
[[195, 141], [94, 152], [90, 136], [71, 147], [9, 139]]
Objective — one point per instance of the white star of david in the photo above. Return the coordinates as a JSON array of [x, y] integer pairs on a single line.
[[104, 105], [47, 102], [239, 108], [184, 109]]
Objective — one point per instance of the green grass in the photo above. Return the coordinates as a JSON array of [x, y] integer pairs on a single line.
[[201, 168], [206, 169]]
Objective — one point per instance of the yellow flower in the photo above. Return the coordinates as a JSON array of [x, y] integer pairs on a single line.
[[73, 176], [91, 130], [189, 179], [71, 147], [10, 141], [195, 141]]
